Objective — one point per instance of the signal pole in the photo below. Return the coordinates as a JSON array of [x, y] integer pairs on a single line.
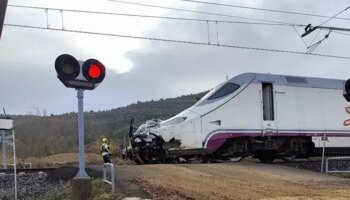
[[81, 173], [92, 72], [3, 5]]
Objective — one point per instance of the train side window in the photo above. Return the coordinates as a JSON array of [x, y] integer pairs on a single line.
[[267, 97], [227, 89]]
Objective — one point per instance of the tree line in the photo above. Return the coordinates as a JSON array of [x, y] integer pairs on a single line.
[[38, 136]]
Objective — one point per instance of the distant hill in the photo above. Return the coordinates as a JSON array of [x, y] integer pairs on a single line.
[[42, 136]]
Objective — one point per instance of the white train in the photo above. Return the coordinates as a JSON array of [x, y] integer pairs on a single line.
[[264, 115]]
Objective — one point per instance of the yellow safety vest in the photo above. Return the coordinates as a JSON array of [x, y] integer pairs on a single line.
[[105, 149]]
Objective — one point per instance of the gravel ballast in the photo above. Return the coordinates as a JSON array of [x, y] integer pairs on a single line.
[[32, 185], [28, 185]]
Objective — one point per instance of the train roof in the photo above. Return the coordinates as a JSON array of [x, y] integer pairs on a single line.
[[256, 78], [293, 81], [243, 80]]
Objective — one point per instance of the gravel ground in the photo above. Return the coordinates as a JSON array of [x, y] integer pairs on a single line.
[[29, 186], [311, 166], [316, 167], [32, 185]]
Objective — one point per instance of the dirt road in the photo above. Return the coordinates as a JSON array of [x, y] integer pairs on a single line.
[[243, 180]]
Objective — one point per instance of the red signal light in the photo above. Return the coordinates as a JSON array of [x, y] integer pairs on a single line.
[[94, 71]]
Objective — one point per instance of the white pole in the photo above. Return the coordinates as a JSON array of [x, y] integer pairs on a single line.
[[113, 177], [14, 163], [323, 150], [4, 156], [104, 172]]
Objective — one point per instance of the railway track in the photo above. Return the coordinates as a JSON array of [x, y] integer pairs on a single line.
[[30, 171]]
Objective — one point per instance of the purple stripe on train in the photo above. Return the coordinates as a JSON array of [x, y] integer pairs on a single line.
[[218, 139]]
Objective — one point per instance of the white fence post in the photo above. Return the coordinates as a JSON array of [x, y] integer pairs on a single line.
[[112, 182], [323, 150]]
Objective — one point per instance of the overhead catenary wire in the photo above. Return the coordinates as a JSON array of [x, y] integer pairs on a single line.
[[312, 45], [198, 12], [159, 17], [183, 41], [315, 45], [313, 40], [341, 33], [264, 9], [300, 36], [334, 16]]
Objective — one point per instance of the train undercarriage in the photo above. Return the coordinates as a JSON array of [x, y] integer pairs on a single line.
[[154, 149], [267, 149]]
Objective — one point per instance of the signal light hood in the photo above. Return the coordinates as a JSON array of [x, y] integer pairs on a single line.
[[67, 66]]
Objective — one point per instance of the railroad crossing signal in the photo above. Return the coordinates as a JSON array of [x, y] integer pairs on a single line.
[[81, 76], [73, 75]]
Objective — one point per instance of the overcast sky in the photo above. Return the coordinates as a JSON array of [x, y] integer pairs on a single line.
[[142, 70]]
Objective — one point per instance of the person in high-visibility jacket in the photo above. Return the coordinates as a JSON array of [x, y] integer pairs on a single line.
[[105, 151]]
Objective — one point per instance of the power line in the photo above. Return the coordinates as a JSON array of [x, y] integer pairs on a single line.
[[152, 16], [309, 29], [313, 40], [198, 12], [315, 45], [335, 15], [264, 9], [341, 33], [183, 42], [300, 36]]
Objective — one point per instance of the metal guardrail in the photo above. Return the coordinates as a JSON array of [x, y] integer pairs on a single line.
[[112, 182], [336, 158], [29, 164]]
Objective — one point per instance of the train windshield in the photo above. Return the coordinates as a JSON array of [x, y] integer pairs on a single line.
[[225, 90], [174, 121]]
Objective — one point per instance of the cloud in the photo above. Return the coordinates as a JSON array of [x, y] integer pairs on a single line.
[[145, 70], [186, 64]]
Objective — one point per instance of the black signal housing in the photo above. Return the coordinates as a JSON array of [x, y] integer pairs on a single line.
[[73, 75], [67, 67]]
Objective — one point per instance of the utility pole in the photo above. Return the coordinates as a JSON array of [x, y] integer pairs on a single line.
[[3, 5], [309, 29]]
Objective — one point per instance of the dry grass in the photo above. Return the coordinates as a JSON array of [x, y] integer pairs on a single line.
[[63, 159], [92, 156]]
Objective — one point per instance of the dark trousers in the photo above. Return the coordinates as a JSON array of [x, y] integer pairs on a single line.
[[107, 159]]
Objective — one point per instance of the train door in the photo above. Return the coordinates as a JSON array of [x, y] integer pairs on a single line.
[[269, 125]]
